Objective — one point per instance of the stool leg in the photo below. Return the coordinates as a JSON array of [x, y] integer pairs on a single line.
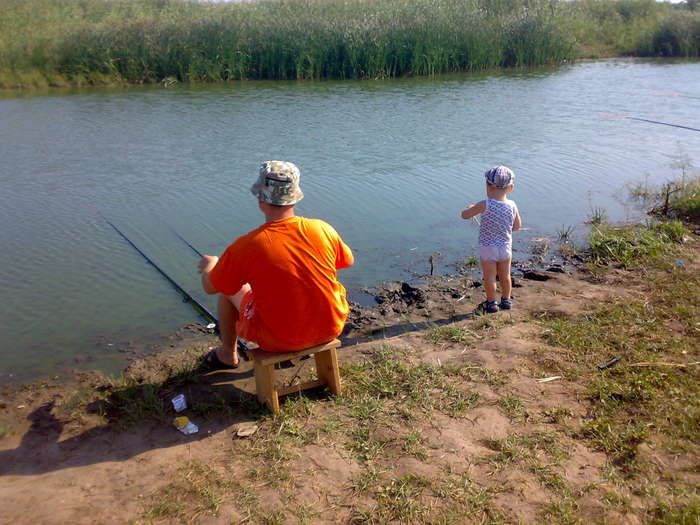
[[265, 386], [327, 369]]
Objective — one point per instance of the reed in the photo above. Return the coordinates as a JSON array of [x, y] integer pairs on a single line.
[[53, 42]]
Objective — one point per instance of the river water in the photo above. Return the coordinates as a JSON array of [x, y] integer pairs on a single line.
[[389, 163]]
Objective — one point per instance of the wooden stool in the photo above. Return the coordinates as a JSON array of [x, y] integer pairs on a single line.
[[326, 368]]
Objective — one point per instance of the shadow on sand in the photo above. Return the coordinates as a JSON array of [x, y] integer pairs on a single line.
[[139, 416]]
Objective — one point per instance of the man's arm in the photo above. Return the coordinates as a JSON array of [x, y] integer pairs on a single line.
[[346, 258], [206, 265], [474, 209]]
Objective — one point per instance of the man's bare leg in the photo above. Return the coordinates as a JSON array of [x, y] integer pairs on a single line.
[[228, 306]]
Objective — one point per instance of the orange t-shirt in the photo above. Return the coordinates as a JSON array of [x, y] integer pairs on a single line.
[[291, 266]]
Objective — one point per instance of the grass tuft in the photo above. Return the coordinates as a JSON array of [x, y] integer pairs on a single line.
[[452, 333], [633, 246], [392, 375], [196, 491]]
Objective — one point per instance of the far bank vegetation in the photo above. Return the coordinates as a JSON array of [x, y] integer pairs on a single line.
[[58, 43]]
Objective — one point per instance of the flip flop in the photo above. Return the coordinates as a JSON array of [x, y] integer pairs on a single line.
[[214, 363]]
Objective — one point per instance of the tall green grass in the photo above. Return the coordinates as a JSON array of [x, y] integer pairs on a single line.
[[54, 42], [633, 246]]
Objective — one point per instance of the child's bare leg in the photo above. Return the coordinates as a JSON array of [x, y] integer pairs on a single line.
[[490, 269], [504, 278]]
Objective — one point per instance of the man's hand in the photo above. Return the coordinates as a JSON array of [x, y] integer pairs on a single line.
[[206, 263]]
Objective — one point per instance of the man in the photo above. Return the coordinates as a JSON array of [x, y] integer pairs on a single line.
[[277, 284]]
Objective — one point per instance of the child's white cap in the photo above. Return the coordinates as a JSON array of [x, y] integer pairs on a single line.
[[500, 177]]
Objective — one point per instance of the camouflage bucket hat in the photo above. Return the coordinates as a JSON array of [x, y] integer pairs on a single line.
[[500, 177], [278, 183]]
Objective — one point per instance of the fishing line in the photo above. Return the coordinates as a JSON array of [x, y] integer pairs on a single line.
[[200, 308], [241, 344], [674, 95], [647, 120], [195, 250]]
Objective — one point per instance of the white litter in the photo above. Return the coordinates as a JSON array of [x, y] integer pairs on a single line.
[[184, 425], [179, 403], [548, 379]]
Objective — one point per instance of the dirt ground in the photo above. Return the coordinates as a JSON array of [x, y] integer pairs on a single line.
[[489, 444]]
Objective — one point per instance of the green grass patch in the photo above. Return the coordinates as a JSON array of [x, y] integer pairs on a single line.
[[364, 444], [562, 512], [132, 404], [477, 373], [142, 397], [451, 333], [634, 246], [396, 501], [395, 377], [414, 445], [465, 501], [629, 403], [551, 479], [453, 498], [195, 492], [678, 512], [517, 447], [513, 408], [557, 414]]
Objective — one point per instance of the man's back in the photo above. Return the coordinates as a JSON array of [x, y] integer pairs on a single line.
[[291, 264]]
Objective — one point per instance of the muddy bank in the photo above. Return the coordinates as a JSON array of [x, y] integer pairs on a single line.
[[71, 403], [401, 307], [77, 401]]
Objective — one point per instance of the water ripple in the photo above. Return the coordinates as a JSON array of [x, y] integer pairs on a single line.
[[390, 164]]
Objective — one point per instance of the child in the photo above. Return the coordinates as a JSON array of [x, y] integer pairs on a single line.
[[499, 218]]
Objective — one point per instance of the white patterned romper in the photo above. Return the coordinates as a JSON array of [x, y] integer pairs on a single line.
[[496, 230]]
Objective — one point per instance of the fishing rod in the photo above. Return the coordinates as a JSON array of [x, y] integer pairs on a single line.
[[200, 308], [195, 250], [241, 344], [650, 121]]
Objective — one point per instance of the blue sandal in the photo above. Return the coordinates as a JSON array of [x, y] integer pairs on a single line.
[[488, 307], [506, 304]]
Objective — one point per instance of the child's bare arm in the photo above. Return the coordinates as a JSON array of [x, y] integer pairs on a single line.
[[474, 209], [517, 222]]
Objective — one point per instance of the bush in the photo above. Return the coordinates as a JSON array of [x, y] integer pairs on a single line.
[[678, 35], [687, 202]]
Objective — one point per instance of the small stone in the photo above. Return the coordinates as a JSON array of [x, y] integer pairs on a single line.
[[556, 269], [246, 430], [535, 276]]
